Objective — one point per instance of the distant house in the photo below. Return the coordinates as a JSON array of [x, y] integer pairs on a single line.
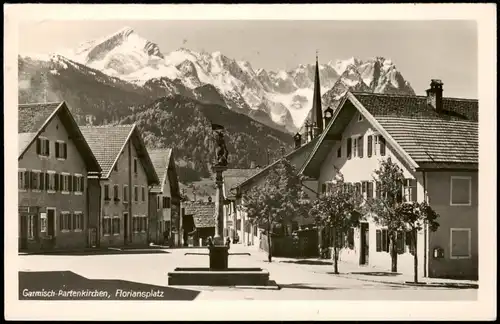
[[166, 218], [55, 163], [232, 178], [435, 141], [126, 178], [198, 219]]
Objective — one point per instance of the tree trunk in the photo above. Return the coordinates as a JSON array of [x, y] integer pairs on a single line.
[[415, 256], [335, 259], [269, 241], [393, 252]]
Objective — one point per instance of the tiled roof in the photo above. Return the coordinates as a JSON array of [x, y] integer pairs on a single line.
[[417, 107], [32, 116], [160, 159], [106, 142], [233, 177], [434, 140], [203, 213], [24, 140]]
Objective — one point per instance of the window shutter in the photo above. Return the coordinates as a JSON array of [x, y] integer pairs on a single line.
[[70, 221], [61, 182], [379, 240], [56, 182], [349, 147], [382, 145], [38, 146], [82, 184], [360, 146], [47, 147], [34, 182], [400, 242], [65, 150], [42, 181], [58, 151], [61, 216], [369, 191], [27, 179], [364, 185], [70, 182], [370, 145], [168, 202], [385, 241], [75, 184], [47, 181]]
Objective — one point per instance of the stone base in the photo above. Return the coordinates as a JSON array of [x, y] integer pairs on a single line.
[[218, 257], [228, 277]]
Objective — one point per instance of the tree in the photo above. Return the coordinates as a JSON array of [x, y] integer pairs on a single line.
[[390, 180], [415, 215], [276, 201], [337, 209]]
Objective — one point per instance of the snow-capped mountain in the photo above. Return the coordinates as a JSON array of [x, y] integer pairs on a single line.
[[279, 98]]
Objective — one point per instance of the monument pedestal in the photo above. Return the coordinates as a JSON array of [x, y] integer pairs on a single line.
[[218, 257]]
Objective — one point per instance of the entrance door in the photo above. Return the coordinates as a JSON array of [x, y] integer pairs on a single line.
[[125, 228], [364, 244], [23, 244], [51, 227]]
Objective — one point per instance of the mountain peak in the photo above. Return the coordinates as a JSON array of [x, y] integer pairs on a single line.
[[125, 31]]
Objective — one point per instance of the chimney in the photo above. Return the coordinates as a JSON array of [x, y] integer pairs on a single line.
[[435, 95], [252, 165], [328, 115], [298, 140]]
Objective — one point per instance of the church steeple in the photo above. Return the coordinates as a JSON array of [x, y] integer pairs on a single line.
[[317, 111]]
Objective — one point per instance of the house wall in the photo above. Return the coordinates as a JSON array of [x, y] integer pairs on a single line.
[[121, 177], [69, 202], [465, 217], [357, 169]]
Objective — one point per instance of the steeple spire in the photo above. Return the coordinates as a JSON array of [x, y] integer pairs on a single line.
[[317, 111]]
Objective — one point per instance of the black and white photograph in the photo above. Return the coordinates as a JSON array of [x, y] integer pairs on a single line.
[[270, 159]]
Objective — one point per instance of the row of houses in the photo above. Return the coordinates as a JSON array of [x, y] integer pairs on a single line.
[[91, 186], [434, 139]]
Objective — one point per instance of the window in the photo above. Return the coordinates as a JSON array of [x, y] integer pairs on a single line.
[[43, 224], [166, 202], [460, 191], [339, 152], [116, 225], [106, 224], [42, 146], [375, 144], [65, 183], [115, 167], [51, 181], [158, 202], [143, 193], [369, 145], [360, 146], [78, 184], [125, 193], [136, 224], [382, 240], [78, 221], [135, 165], [349, 147], [32, 226], [381, 145], [460, 243], [65, 221], [106, 192], [369, 190], [355, 147], [360, 117], [144, 223], [136, 193], [116, 193], [61, 150], [410, 190], [23, 179]]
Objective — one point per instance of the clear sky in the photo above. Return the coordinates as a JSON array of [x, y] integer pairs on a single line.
[[421, 50]]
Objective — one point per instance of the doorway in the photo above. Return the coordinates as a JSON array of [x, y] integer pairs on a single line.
[[364, 244], [23, 244], [51, 227]]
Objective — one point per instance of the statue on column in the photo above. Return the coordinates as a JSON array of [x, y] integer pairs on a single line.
[[220, 149]]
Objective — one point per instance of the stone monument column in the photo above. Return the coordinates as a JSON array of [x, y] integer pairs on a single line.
[[219, 205]]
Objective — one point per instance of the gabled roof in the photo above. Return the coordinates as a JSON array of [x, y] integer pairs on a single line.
[[306, 148], [418, 133], [203, 213], [233, 177], [163, 161], [33, 118], [108, 142]]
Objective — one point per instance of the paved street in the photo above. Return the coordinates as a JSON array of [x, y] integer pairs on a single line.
[[297, 281]]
